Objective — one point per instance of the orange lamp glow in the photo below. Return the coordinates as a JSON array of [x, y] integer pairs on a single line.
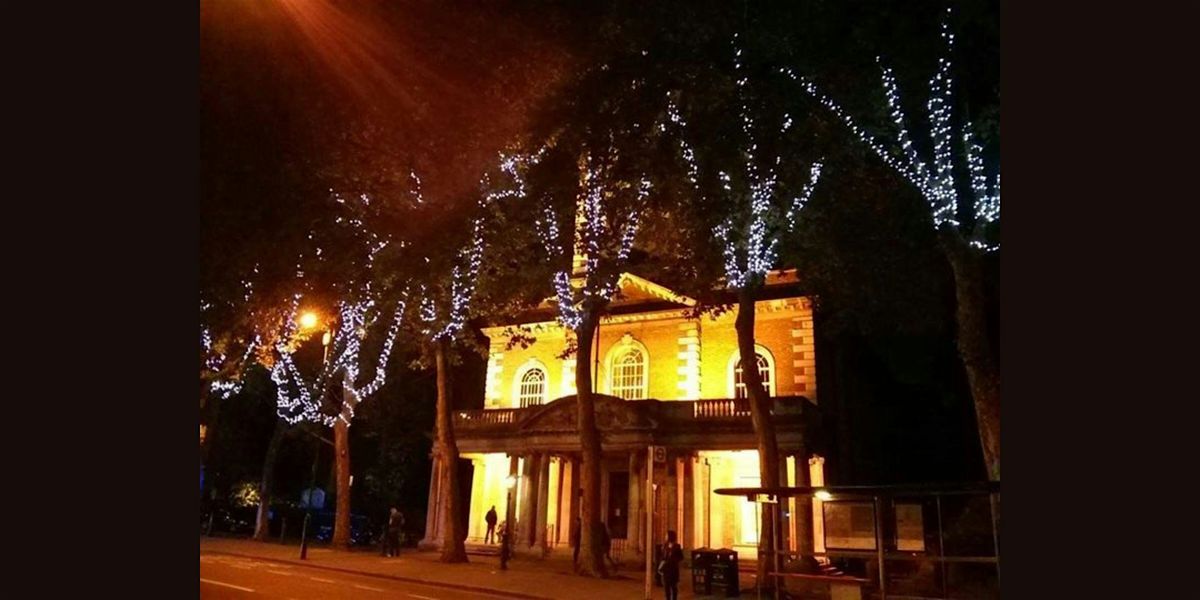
[[308, 320]]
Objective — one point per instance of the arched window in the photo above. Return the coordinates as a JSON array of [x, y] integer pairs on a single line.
[[629, 374], [766, 370], [533, 388]]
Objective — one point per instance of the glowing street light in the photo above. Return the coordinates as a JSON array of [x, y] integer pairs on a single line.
[[308, 320]]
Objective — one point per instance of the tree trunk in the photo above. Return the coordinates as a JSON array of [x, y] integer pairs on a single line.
[[760, 417], [341, 521], [591, 552], [974, 347], [266, 489], [454, 549]]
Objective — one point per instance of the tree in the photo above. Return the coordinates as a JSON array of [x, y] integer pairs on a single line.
[[248, 324], [594, 189], [964, 229], [330, 398], [755, 212], [447, 280]]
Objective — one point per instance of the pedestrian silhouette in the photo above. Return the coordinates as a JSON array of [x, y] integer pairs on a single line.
[[668, 567], [490, 518], [392, 541]]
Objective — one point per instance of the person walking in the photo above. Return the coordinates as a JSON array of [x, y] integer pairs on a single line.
[[395, 524], [490, 518], [668, 567]]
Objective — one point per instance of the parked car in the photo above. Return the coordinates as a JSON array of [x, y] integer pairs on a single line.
[[362, 531], [238, 521]]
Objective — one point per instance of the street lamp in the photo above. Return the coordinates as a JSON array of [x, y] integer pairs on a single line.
[[312, 484], [308, 320], [509, 482]]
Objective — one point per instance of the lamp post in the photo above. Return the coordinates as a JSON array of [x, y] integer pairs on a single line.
[[309, 320], [509, 482]]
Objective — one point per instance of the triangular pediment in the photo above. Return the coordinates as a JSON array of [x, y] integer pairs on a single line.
[[612, 414], [634, 289]]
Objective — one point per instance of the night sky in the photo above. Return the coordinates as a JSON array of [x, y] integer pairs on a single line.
[[302, 97]]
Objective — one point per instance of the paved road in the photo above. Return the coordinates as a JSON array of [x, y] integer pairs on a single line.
[[233, 577]]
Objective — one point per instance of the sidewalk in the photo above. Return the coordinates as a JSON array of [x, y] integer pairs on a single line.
[[525, 578]]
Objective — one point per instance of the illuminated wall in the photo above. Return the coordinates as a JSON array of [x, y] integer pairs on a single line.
[[687, 358], [733, 522], [487, 490]]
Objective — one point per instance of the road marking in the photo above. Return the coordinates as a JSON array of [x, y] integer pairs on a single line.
[[279, 572], [228, 585], [422, 597], [322, 580], [367, 587]]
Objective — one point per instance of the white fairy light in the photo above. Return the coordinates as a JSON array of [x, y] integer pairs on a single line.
[[596, 235], [798, 203], [416, 189], [345, 349], [749, 242], [933, 178]]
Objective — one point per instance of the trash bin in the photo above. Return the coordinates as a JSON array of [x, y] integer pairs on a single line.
[[715, 571], [723, 569], [702, 559]]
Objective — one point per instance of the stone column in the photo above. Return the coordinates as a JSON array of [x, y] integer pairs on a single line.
[[535, 504], [633, 536], [543, 499], [807, 511], [527, 496], [699, 503], [687, 534], [509, 500], [575, 499], [679, 519], [792, 462], [558, 505]]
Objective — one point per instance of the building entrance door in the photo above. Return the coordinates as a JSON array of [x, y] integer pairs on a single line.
[[618, 505]]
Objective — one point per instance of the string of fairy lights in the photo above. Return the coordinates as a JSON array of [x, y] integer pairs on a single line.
[[749, 243], [595, 232], [356, 316], [933, 178], [300, 401], [229, 383]]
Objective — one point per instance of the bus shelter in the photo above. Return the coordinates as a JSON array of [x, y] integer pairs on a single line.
[[891, 542]]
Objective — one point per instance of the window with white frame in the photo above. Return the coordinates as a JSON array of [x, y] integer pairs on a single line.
[[764, 371], [628, 380], [533, 388]]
